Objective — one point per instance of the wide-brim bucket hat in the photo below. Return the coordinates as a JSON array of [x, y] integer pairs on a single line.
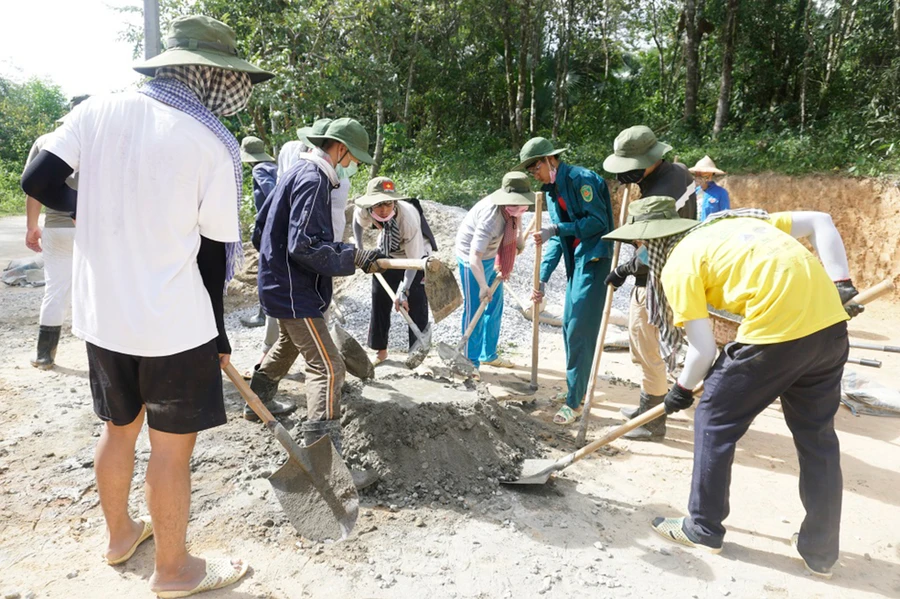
[[254, 150], [203, 41], [378, 191], [706, 165], [350, 133], [651, 218], [535, 149], [635, 148], [515, 190], [319, 127]]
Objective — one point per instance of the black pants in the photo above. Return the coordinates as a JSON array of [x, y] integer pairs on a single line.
[[380, 323], [745, 379]]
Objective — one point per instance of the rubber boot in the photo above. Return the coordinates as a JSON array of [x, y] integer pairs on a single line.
[[48, 339], [255, 321], [630, 413], [265, 388], [654, 430], [313, 431]]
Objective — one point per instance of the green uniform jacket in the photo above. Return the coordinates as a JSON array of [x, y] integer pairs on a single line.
[[590, 218]]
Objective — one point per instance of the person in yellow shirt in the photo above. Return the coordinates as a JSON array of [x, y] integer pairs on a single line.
[[791, 344]]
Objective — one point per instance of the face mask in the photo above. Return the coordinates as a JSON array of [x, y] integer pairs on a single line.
[[630, 176], [345, 172], [384, 219], [643, 255], [515, 210], [552, 174]]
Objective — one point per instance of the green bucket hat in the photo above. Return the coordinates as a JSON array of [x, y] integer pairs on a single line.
[[378, 191], [319, 127], [635, 148], [350, 133], [651, 218], [204, 41], [515, 190], [254, 150], [535, 149]]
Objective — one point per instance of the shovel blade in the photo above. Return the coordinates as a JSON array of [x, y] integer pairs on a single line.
[[355, 357], [321, 500], [419, 350], [534, 472], [455, 360], [442, 291]]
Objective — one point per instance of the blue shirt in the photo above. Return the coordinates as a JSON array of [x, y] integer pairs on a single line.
[[712, 199], [264, 178]]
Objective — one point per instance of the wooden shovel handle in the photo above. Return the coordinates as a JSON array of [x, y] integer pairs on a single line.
[[408, 264], [872, 293], [536, 310], [249, 396], [402, 310], [636, 422], [478, 314]]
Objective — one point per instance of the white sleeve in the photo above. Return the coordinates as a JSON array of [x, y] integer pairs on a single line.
[[65, 141], [701, 352], [218, 218], [819, 228], [411, 231]]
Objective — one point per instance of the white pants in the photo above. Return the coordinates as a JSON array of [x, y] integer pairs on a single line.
[[57, 244]]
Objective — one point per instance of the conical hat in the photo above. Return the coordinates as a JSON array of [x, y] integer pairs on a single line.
[[706, 165]]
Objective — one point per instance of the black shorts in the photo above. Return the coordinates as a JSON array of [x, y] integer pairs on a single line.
[[182, 392]]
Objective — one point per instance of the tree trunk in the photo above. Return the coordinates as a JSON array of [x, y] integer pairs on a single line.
[[379, 136], [510, 84], [804, 69], [412, 66], [897, 19], [691, 60], [524, 46], [727, 69], [535, 60], [562, 65]]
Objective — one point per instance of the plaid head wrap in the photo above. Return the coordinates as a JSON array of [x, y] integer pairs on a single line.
[[179, 95], [223, 92], [671, 337]]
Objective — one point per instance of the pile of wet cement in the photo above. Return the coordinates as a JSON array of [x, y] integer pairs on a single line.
[[426, 452]]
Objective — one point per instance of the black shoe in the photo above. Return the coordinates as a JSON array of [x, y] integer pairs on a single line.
[[819, 571], [630, 413], [655, 430], [255, 321], [265, 388], [48, 339]]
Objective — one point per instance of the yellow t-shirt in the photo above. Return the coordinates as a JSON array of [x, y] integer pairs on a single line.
[[753, 268]]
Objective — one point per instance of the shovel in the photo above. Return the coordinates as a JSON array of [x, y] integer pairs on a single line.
[[440, 285], [454, 357], [419, 351], [537, 472], [356, 360], [314, 486]]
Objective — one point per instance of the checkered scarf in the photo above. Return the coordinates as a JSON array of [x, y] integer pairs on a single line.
[[223, 92], [671, 337], [177, 94], [389, 243], [507, 252]]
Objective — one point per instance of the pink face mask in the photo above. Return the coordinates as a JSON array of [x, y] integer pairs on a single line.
[[383, 219], [552, 174], [515, 210]]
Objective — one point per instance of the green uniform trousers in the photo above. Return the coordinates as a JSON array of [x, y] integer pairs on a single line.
[[585, 296]]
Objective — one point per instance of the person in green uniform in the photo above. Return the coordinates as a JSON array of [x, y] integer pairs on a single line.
[[580, 214]]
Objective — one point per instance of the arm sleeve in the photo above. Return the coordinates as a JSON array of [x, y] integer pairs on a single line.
[[485, 231], [211, 262], [552, 254], [218, 217], [414, 246], [358, 228], [597, 220], [260, 224], [819, 228], [629, 268], [264, 179], [310, 223], [701, 352], [45, 181]]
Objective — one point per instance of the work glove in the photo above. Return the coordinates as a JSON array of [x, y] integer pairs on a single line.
[[847, 292], [545, 234], [615, 278], [367, 260], [678, 398]]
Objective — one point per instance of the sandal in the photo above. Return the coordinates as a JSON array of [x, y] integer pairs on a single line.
[[566, 415], [220, 573], [145, 534], [560, 397], [499, 363], [673, 530]]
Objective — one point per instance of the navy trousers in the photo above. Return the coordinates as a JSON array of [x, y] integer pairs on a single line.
[[806, 373]]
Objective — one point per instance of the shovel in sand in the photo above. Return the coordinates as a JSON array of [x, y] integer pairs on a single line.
[[537, 472], [314, 486], [440, 285], [454, 357], [419, 350]]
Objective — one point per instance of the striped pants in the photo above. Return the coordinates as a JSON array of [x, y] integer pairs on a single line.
[[325, 370]]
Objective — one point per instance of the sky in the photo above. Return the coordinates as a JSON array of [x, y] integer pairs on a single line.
[[71, 43]]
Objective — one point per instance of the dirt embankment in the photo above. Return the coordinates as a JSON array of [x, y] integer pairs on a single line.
[[865, 211]]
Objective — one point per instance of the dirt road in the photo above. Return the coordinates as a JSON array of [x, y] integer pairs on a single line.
[[587, 534]]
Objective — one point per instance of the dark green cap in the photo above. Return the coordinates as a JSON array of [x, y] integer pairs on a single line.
[[203, 41], [350, 133], [319, 127], [515, 190], [254, 150], [651, 218], [635, 148], [535, 149]]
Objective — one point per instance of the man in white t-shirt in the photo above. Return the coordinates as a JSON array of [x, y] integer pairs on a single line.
[[156, 239]]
